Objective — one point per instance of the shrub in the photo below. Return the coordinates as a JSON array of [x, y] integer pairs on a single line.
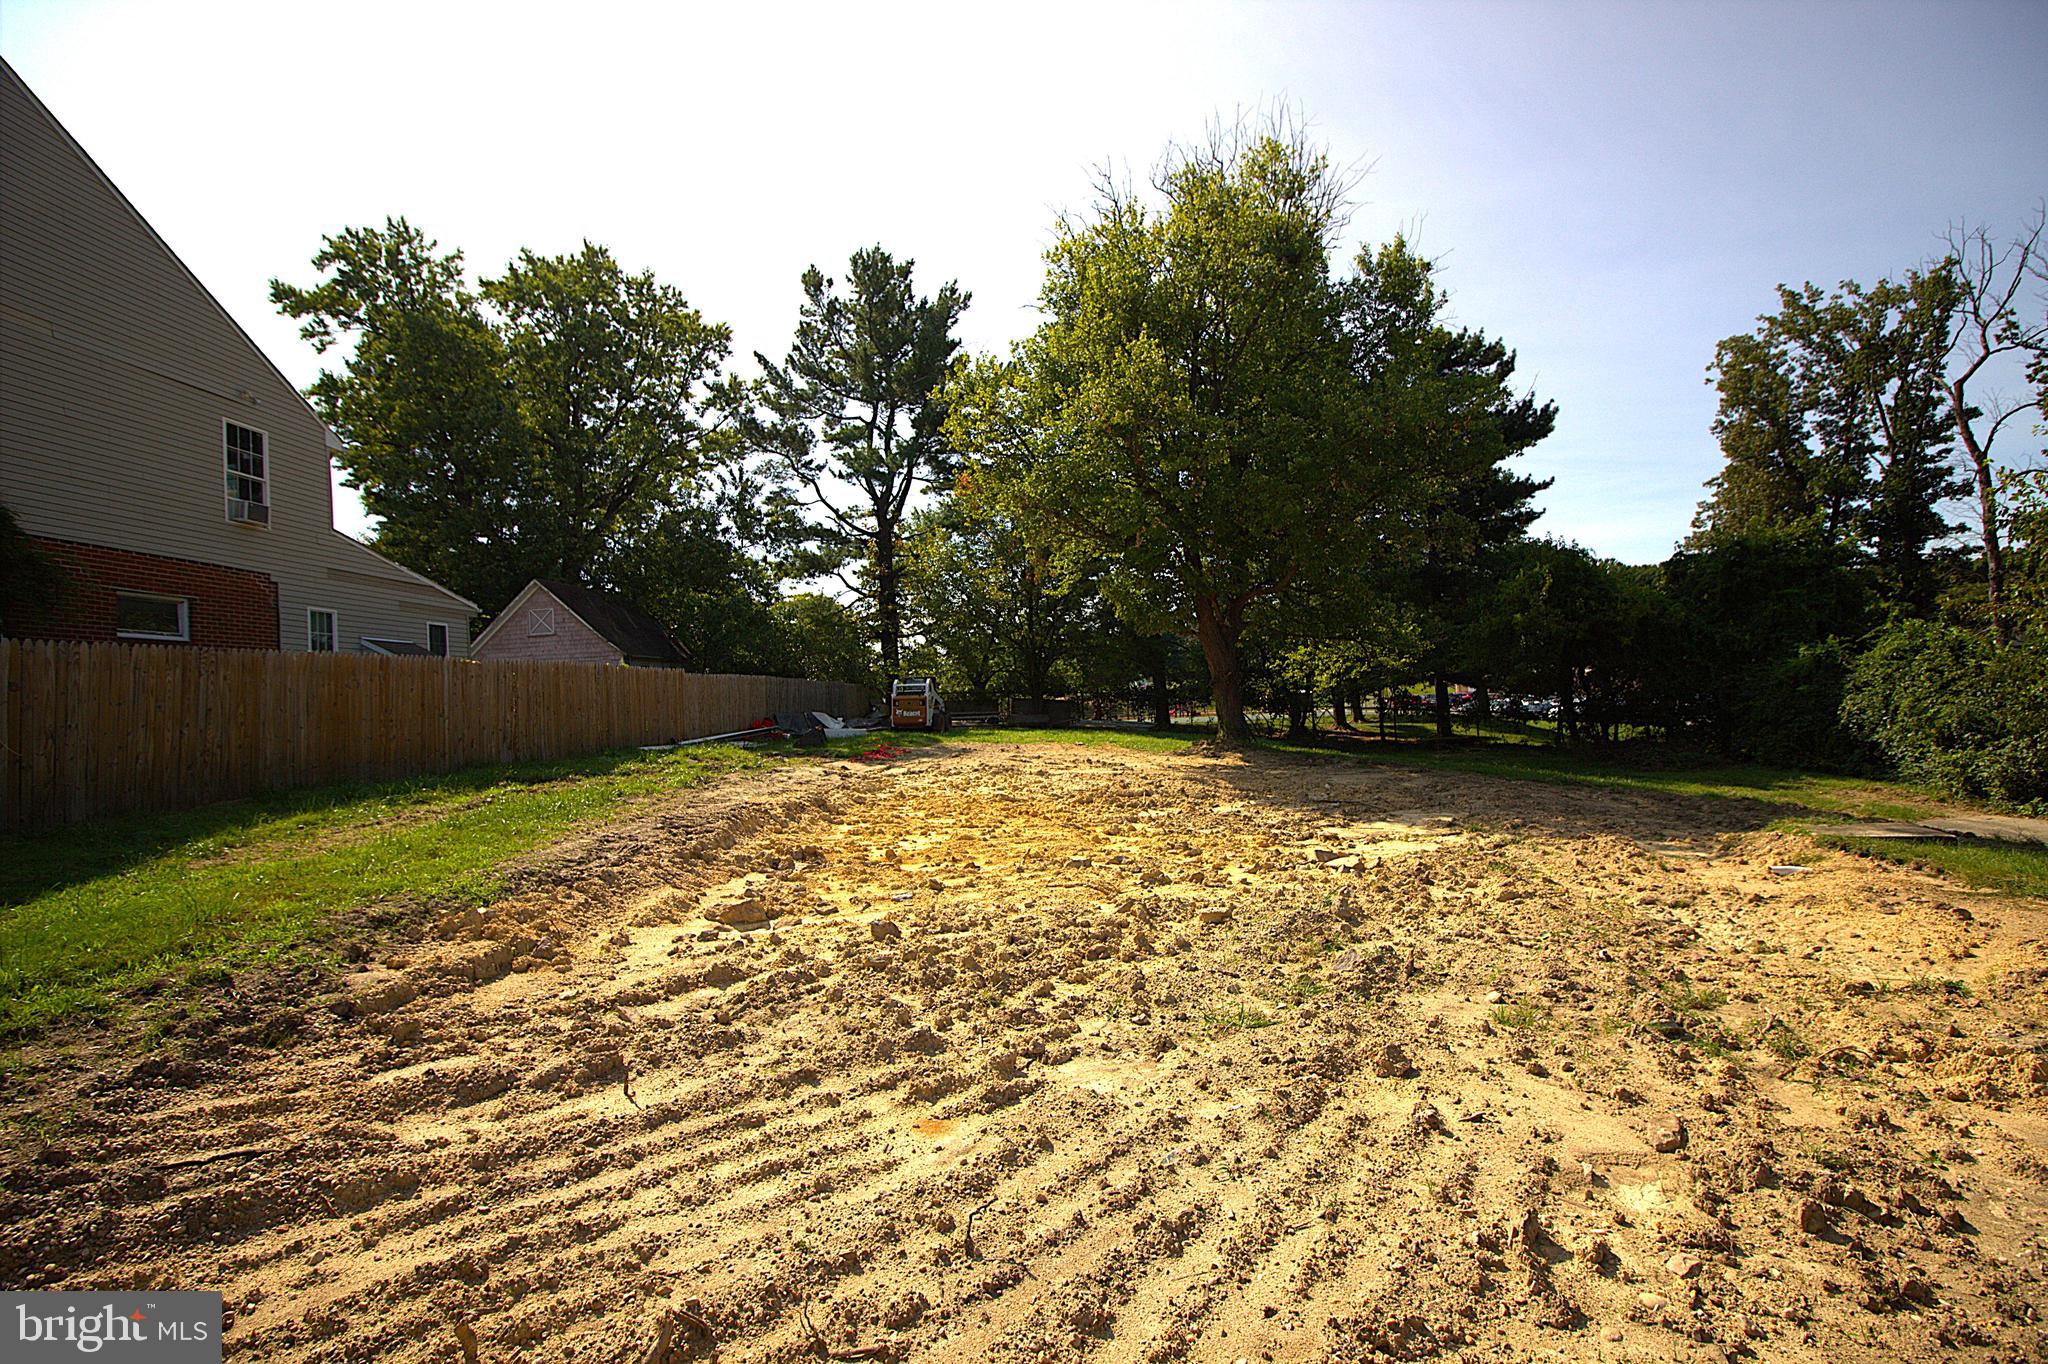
[[1949, 707]]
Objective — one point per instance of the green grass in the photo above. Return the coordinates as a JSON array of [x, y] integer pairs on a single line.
[[92, 914], [1693, 1001], [1144, 741], [1519, 1017], [2015, 868]]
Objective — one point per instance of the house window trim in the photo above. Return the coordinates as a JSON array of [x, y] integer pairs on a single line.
[[540, 621], [334, 636], [184, 635], [228, 499], [447, 639]]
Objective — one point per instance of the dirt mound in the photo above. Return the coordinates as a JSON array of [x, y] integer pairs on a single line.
[[1040, 1052]]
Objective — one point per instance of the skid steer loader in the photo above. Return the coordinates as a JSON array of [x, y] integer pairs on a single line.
[[914, 703]]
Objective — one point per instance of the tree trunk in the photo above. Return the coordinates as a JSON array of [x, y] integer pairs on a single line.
[[1482, 706], [1162, 697], [1338, 715], [1297, 713], [1218, 631], [888, 609], [1987, 511], [1567, 708], [1380, 705], [1443, 706]]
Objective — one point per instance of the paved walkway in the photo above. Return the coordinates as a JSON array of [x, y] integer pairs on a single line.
[[2000, 828]]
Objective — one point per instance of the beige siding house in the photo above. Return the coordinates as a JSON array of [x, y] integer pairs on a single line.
[[154, 451], [565, 622]]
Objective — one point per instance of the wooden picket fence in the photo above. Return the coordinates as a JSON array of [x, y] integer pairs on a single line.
[[90, 729]]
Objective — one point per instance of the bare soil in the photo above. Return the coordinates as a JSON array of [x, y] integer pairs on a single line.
[[1046, 1052]]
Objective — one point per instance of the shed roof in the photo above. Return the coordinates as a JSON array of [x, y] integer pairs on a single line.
[[636, 634]]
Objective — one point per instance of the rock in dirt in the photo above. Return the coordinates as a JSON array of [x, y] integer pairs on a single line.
[[1392, 1063], [1212, 916], [1424, 1118], [885, 930], [1668, 1135], [377, 991], [734, 907], [1813, 1218]]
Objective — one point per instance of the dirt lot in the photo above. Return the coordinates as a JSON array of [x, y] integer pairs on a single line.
[[1048, 1052]]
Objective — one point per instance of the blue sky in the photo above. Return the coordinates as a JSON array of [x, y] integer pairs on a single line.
[[1610, 188]]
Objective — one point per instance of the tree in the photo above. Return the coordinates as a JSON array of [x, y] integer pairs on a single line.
[[995, 609], [618, 381], [854, 416], [1555, 621], [514, 431], [1831, 421], [1186, 412], [1454, 391], [1987, 327], [2023, 502], [823, 638], [1765, 622]]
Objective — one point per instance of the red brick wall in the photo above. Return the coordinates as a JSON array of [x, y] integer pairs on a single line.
[[231, 608]]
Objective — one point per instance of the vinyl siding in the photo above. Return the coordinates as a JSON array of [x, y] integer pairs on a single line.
[[116, 372]]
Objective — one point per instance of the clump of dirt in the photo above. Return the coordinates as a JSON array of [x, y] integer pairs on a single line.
[[1042, 1052]]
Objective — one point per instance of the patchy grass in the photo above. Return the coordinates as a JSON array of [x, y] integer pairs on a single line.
[[1143, 740], [90, 915], [1519, 1017], [1651, 770], [1639, 769], [2015, 868], [1781, 1041], [1694, 1002], [1799, 797]]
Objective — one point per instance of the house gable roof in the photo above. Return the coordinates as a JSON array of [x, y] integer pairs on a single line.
[[8, 73], [637, 636], [373, 563]]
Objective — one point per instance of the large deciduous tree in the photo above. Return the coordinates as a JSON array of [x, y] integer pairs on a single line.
[[1186, 413], [517, 429], [854, 417], [997, 610], [1833, 426]]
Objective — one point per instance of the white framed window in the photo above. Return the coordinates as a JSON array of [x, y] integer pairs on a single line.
[[323, 627], [540, 620], [245, 452], [145, 615], [437, 639]]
